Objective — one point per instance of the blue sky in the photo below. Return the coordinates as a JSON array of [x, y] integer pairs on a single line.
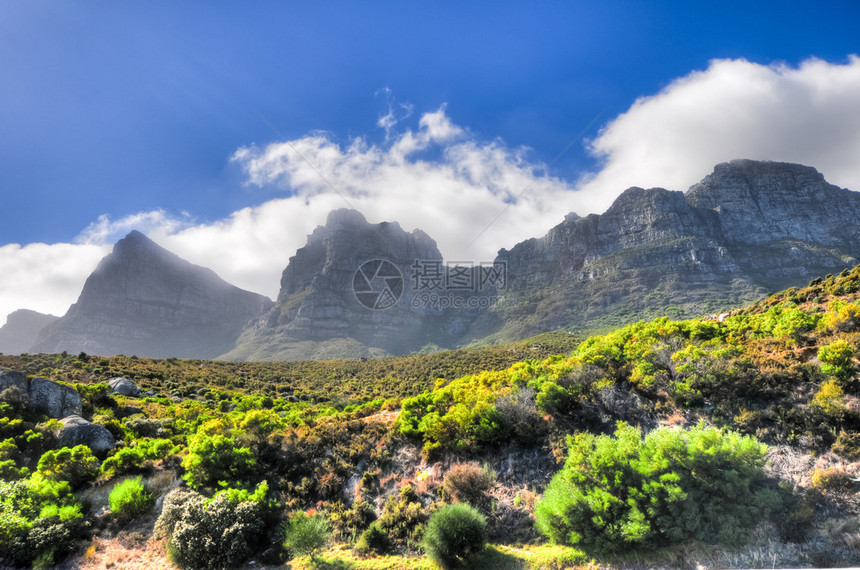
[[168, 116]]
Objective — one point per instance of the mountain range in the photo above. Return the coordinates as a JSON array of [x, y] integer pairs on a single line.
[[358, 289]]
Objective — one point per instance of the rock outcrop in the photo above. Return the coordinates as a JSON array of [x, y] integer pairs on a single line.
[[748, 228], [78, 431], [123, 386], [50, 397], [21, 330], [782, 223], [147, 301]]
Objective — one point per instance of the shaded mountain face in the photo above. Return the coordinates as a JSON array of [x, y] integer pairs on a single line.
[[21, 329], [147, 301], [782, 223], [349, 293]]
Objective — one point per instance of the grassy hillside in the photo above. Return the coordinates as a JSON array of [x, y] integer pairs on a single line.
[[753, 438]]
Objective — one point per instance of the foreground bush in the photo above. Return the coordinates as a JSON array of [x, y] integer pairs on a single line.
[[623, 491], [40, 522], [213, 533], [130, 499], [215, 458], [454, 534]]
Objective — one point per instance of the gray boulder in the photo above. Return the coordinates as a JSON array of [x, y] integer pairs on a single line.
[[123, 386], [52, 398], [10, 378], [78, 431]]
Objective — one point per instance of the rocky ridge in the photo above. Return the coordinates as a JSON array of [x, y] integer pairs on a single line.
[[360, 290], [748, 228]]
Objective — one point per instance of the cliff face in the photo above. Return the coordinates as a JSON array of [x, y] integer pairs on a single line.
[[748, 228], [782, 222], [21, 330], [349, 293], [144, 300]]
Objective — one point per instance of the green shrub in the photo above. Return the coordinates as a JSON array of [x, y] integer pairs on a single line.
[[130, 498], [40, 521], [216, 458], [836, 359], [403, 519], [306, 534], [77, 465], [454, 534], [374, 539], [620, 492], [130, 459]]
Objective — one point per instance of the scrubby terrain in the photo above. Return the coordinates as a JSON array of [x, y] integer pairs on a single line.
[[725, 441]]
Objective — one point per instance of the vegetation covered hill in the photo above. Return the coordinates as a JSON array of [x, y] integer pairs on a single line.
[[726, 441]]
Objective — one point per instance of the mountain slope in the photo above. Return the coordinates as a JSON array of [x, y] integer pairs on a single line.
[[147, 301]]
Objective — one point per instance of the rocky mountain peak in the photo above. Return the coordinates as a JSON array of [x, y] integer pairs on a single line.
[[762, 202], [144, 300], [326, 286], [344, 218]]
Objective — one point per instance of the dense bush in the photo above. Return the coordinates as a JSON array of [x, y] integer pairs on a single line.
[[77, 465], [836, 359], [218, 533], [306, 534], [217, 458], [619, 492], [130, 459], [459, 415], [454, 534], [403, 519], [130, 499]]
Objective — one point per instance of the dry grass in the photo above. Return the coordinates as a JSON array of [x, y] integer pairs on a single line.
[[125, 551]]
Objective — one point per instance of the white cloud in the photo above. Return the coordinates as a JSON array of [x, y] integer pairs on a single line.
[[734, 109], [104, 230], [441, 179], [45, 278], [395, 112]]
